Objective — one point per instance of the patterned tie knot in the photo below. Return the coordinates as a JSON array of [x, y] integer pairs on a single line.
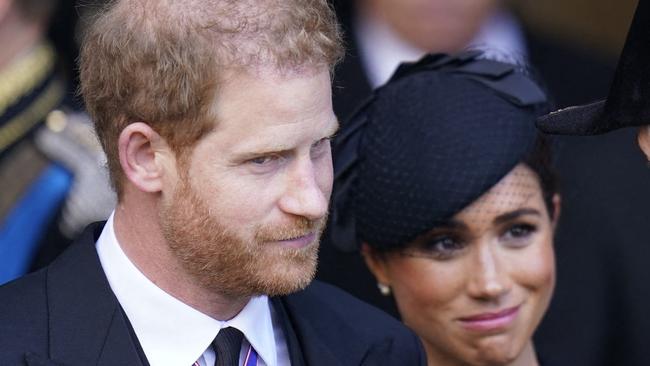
[[227, 345]]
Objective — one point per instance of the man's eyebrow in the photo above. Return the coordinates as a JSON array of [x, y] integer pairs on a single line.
[[256, 154], [280, 149], [508, 216]]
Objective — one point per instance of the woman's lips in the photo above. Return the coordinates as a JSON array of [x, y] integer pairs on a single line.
[[490, 321]]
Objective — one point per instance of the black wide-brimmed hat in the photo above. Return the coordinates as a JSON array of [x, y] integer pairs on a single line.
[[436, 137], [628, 102]]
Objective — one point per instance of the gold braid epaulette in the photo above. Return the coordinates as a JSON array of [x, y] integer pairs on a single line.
[[18, 80], [25, 74], [20, 125]]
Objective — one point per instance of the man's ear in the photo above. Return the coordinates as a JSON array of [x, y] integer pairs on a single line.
[[144, 157], [643, 138], [376, 264]]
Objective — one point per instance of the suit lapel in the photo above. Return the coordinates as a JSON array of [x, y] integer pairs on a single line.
[[295, 350], [86, 324], [119, 348], [317, 338]]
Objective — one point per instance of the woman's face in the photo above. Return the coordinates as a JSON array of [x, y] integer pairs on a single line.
[[476, 288]]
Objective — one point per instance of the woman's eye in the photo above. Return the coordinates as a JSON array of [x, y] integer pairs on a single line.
[[443, 247], [520, 231]]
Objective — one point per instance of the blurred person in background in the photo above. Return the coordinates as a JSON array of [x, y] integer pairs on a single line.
[[602, 178], [51, 176], [383, 33]]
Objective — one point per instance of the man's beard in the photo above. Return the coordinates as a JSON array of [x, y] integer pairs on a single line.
[[224, 262]]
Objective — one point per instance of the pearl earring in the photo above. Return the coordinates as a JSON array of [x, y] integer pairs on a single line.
[[384, 289]]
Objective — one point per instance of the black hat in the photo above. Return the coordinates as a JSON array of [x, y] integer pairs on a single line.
[[436, 137], [628, 102]]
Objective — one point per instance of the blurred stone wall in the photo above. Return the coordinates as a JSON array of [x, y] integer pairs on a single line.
[[600, 25]]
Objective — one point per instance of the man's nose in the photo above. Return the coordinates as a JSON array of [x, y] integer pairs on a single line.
[[304, 196]]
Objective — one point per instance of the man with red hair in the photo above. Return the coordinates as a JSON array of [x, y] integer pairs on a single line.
[[215, 117]]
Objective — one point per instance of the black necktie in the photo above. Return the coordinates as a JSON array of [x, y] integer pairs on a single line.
[[227, 345]]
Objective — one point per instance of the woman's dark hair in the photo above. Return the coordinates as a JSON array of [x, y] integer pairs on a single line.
[[540, 160]]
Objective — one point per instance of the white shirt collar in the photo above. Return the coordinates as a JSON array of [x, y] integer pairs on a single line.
[[170, 331], [382, 50]]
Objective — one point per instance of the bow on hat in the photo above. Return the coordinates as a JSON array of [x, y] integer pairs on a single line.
[[500, 77]]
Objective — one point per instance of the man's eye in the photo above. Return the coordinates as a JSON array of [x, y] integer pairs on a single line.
[[264, 161], [320, 146]]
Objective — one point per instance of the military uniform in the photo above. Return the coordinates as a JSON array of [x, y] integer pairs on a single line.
[[51, 176]]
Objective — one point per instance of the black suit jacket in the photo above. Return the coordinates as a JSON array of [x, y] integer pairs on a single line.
[[66, 314], [597, 315]]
